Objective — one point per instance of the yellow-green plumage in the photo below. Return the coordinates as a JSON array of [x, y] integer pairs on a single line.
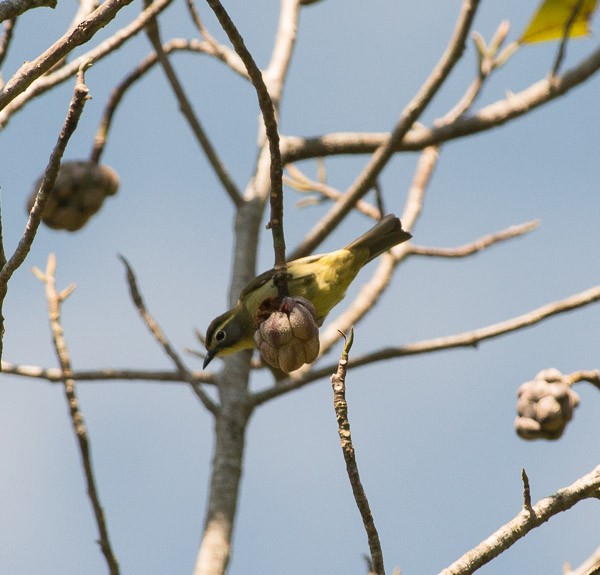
[[321, 279]]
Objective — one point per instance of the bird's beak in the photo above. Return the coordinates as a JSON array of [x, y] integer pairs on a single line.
[[209, 357]]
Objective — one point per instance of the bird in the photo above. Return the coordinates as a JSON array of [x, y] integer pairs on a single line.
[[322, 279]]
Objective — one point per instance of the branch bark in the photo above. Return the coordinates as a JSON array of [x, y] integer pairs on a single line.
[[367, 178], [465, 339], [586, 487], [55, 300], [513, 106]]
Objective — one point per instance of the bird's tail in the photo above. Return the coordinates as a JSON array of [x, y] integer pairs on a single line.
[[385, 234]]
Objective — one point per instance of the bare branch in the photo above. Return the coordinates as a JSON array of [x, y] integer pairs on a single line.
[[591, 376], [586, 487], [80, 95], [476, 246], [212, 47], [562, 49], [161, 338], [10, 9], [371, 292], [9, 28], [187, 110], [37, 84], [526, 492], [364, 182], [268, 113], [338, 382], [55, 300], [54, 375], [591, 566], [281, 55], [465, 339], [30, 71], [173, 45], [513, 106], [302, 183]]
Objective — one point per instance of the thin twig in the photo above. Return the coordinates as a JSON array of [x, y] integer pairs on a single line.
[[380, 158], [30, 71], [591, 376], [464, 339], [371, 292], [54, 375], [9, 29], [42, 83], [591, 566], [10, 9], [496, 114], [162, 339], [268, 113], [526, 491], [55, 300], [302, 183], [80, 95], [187, 110], [338, 382], [562, 49], [476, 246], [281, 55], [116, 96], [586, 487]]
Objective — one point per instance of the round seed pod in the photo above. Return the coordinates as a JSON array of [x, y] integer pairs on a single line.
[[289, 336], [78, 193], [545, 405]]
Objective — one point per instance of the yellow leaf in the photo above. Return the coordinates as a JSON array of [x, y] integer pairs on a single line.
[[550, 19]]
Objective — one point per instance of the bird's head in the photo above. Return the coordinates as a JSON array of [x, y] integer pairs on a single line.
[[228, 333]]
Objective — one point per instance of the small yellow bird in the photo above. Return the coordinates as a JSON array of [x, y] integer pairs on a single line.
[[322, 279]]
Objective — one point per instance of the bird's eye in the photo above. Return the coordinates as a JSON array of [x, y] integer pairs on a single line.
[[220, 335]]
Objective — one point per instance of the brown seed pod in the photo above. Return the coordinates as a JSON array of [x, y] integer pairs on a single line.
[[288, 337], [78, 193], [545, 405]]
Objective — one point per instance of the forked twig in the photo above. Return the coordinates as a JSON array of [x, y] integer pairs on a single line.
[[338, 383], [380, 158], [80, 95], [55, 300], [187, 110], [585, 487]]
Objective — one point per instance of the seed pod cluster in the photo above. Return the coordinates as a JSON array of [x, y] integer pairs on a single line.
[[287, 336], [545, 405], [78, 193]]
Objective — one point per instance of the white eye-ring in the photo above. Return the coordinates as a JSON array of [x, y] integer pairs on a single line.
[[220, 335]]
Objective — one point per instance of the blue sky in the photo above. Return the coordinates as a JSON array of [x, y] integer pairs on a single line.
[[434, 434]]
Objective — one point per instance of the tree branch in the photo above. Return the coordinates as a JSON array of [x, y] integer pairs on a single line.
[[338, 383], [212, 47], [10, 9], [364, 182], [476, 246], [55, 300], [30, 83], [80, 95], [187, 110], [586, 487], [513, 106], [161, 338], [54, 375], [464, 339], [268, 114], [30, 71]]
